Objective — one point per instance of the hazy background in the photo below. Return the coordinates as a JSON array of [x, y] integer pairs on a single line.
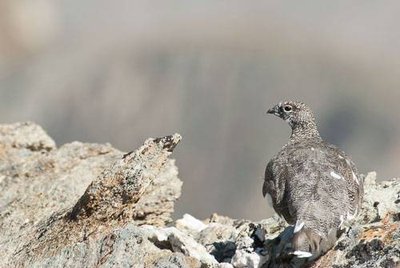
[[122, 71]]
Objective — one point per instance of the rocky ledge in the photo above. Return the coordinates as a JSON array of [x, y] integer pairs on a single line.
[[90, 205]]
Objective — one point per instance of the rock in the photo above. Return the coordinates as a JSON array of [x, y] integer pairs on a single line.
[[90, 205], [63, 203], [180, 242], [26, 135], [190, 224]]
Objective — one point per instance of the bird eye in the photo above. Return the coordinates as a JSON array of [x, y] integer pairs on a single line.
[[287, 108]]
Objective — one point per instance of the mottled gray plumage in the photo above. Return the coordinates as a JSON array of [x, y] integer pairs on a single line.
[[312, 183]]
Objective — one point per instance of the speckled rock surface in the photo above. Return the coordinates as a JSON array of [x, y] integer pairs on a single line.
[[90, 205], [71, 206]]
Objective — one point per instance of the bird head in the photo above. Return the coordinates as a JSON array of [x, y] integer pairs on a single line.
[[293, 112]]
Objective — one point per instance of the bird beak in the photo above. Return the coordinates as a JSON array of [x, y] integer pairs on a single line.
[[274, 110]]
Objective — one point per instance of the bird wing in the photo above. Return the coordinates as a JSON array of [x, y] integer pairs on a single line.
[[269, 184], [354, 181], [274, 185], [322, 190]]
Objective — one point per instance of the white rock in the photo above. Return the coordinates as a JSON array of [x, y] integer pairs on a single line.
[[191, 223], [243, 259], [180, 242], [225, 265]]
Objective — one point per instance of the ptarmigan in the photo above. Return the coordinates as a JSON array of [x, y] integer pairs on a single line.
[[312, 183]]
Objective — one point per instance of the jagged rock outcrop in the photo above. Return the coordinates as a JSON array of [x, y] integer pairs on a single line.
[[90, 205], [67, 206]]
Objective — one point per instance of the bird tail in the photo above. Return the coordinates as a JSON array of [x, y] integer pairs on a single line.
[[307, 243]]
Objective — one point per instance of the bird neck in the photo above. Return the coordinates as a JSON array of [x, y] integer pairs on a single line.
[[304, 130]]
